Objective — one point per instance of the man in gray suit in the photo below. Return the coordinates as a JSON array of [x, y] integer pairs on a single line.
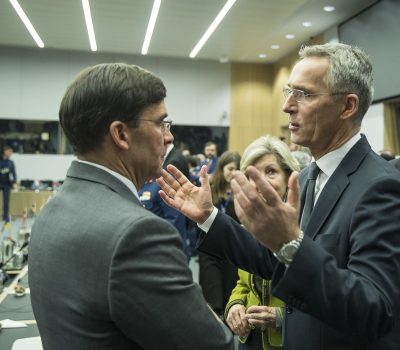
[[338, 267], [104, 272]]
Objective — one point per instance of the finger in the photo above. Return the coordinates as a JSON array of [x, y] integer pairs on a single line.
[[241, 186], [203, 176], [177, 174], [170, 201], [263, 185], [253, 309], [294, 194], [166, 186], [170, 182], [249, 189]]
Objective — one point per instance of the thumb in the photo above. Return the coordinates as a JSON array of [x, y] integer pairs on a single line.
[[204, 180], [293, 198]]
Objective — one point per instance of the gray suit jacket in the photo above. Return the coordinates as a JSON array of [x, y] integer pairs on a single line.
[[107, 274], [342, 288]]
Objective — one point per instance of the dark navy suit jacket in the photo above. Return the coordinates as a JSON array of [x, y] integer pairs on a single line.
[[342, 288]]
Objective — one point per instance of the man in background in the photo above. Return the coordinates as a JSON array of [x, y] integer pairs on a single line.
[[8, 179], [104, 272], [210, 152]]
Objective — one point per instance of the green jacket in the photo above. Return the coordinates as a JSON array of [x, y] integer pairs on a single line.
[[245, 293]]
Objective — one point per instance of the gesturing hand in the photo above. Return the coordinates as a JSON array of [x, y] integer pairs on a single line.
[[178, 192], [261, 210]]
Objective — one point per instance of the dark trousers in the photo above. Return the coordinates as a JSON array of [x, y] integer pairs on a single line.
[[6, 200], [217, 278]]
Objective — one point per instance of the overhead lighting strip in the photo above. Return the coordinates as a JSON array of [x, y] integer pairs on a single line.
[[150, 26], [27, 23], [212, 27], [89, 24]]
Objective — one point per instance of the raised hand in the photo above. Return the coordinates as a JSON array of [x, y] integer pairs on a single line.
[[178, 192], [261, 210]]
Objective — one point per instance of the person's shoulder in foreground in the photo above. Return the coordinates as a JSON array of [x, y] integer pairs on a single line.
[[103, 271]]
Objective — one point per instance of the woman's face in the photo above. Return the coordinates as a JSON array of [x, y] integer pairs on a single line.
[[269, 166], [228, 171]]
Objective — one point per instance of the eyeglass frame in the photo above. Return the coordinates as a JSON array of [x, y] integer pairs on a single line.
[[165, 125], [288, 92]]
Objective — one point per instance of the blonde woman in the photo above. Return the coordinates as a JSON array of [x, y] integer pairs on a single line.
[[252, 312]]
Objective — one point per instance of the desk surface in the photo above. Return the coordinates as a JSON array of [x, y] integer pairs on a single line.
[[17, 309]]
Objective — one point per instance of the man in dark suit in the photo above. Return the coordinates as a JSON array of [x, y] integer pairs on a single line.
[[104, 272], [340, 273], [174, 156]]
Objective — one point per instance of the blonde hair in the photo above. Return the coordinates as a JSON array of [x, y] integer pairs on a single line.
[[269, 145]]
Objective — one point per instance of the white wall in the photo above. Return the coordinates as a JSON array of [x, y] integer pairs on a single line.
[[42, 166], [33, 82]]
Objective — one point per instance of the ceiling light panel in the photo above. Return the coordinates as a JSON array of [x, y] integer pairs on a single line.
[[89, 24], [150, 26], [27, 22], [212, 27]]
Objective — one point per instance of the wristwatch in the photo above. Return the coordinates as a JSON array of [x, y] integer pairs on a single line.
[[286, 253]]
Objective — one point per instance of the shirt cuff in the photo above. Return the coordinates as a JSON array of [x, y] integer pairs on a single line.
[[205, 226]]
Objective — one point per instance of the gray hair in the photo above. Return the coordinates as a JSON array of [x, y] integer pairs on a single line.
[[350, 70], [269, 145]]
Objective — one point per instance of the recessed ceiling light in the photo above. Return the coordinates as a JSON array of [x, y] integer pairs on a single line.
[[275, 47], [329, 8], [262, 55], [289, 36], [223, 59], [307, 24]]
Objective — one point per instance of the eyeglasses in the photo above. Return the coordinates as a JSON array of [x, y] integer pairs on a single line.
[[165, 125], [301, 96]]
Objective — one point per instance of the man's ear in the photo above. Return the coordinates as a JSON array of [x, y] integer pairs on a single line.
[[350, 106], [119, 134]]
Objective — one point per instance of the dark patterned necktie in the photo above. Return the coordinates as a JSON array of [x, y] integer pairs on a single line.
[[309, 201]]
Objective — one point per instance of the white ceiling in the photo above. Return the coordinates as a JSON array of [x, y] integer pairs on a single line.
[[249, 29]]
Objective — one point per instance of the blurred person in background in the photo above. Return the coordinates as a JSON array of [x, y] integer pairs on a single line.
[[217, 277], [211, 157], [8, 179]]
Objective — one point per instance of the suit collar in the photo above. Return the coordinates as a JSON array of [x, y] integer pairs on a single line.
[[89, 172]]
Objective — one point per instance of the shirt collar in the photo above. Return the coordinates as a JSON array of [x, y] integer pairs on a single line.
[[123, 179], [330, 161]]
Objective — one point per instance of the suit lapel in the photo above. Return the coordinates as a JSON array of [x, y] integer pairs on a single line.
[[327, 201], [335, 186]]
